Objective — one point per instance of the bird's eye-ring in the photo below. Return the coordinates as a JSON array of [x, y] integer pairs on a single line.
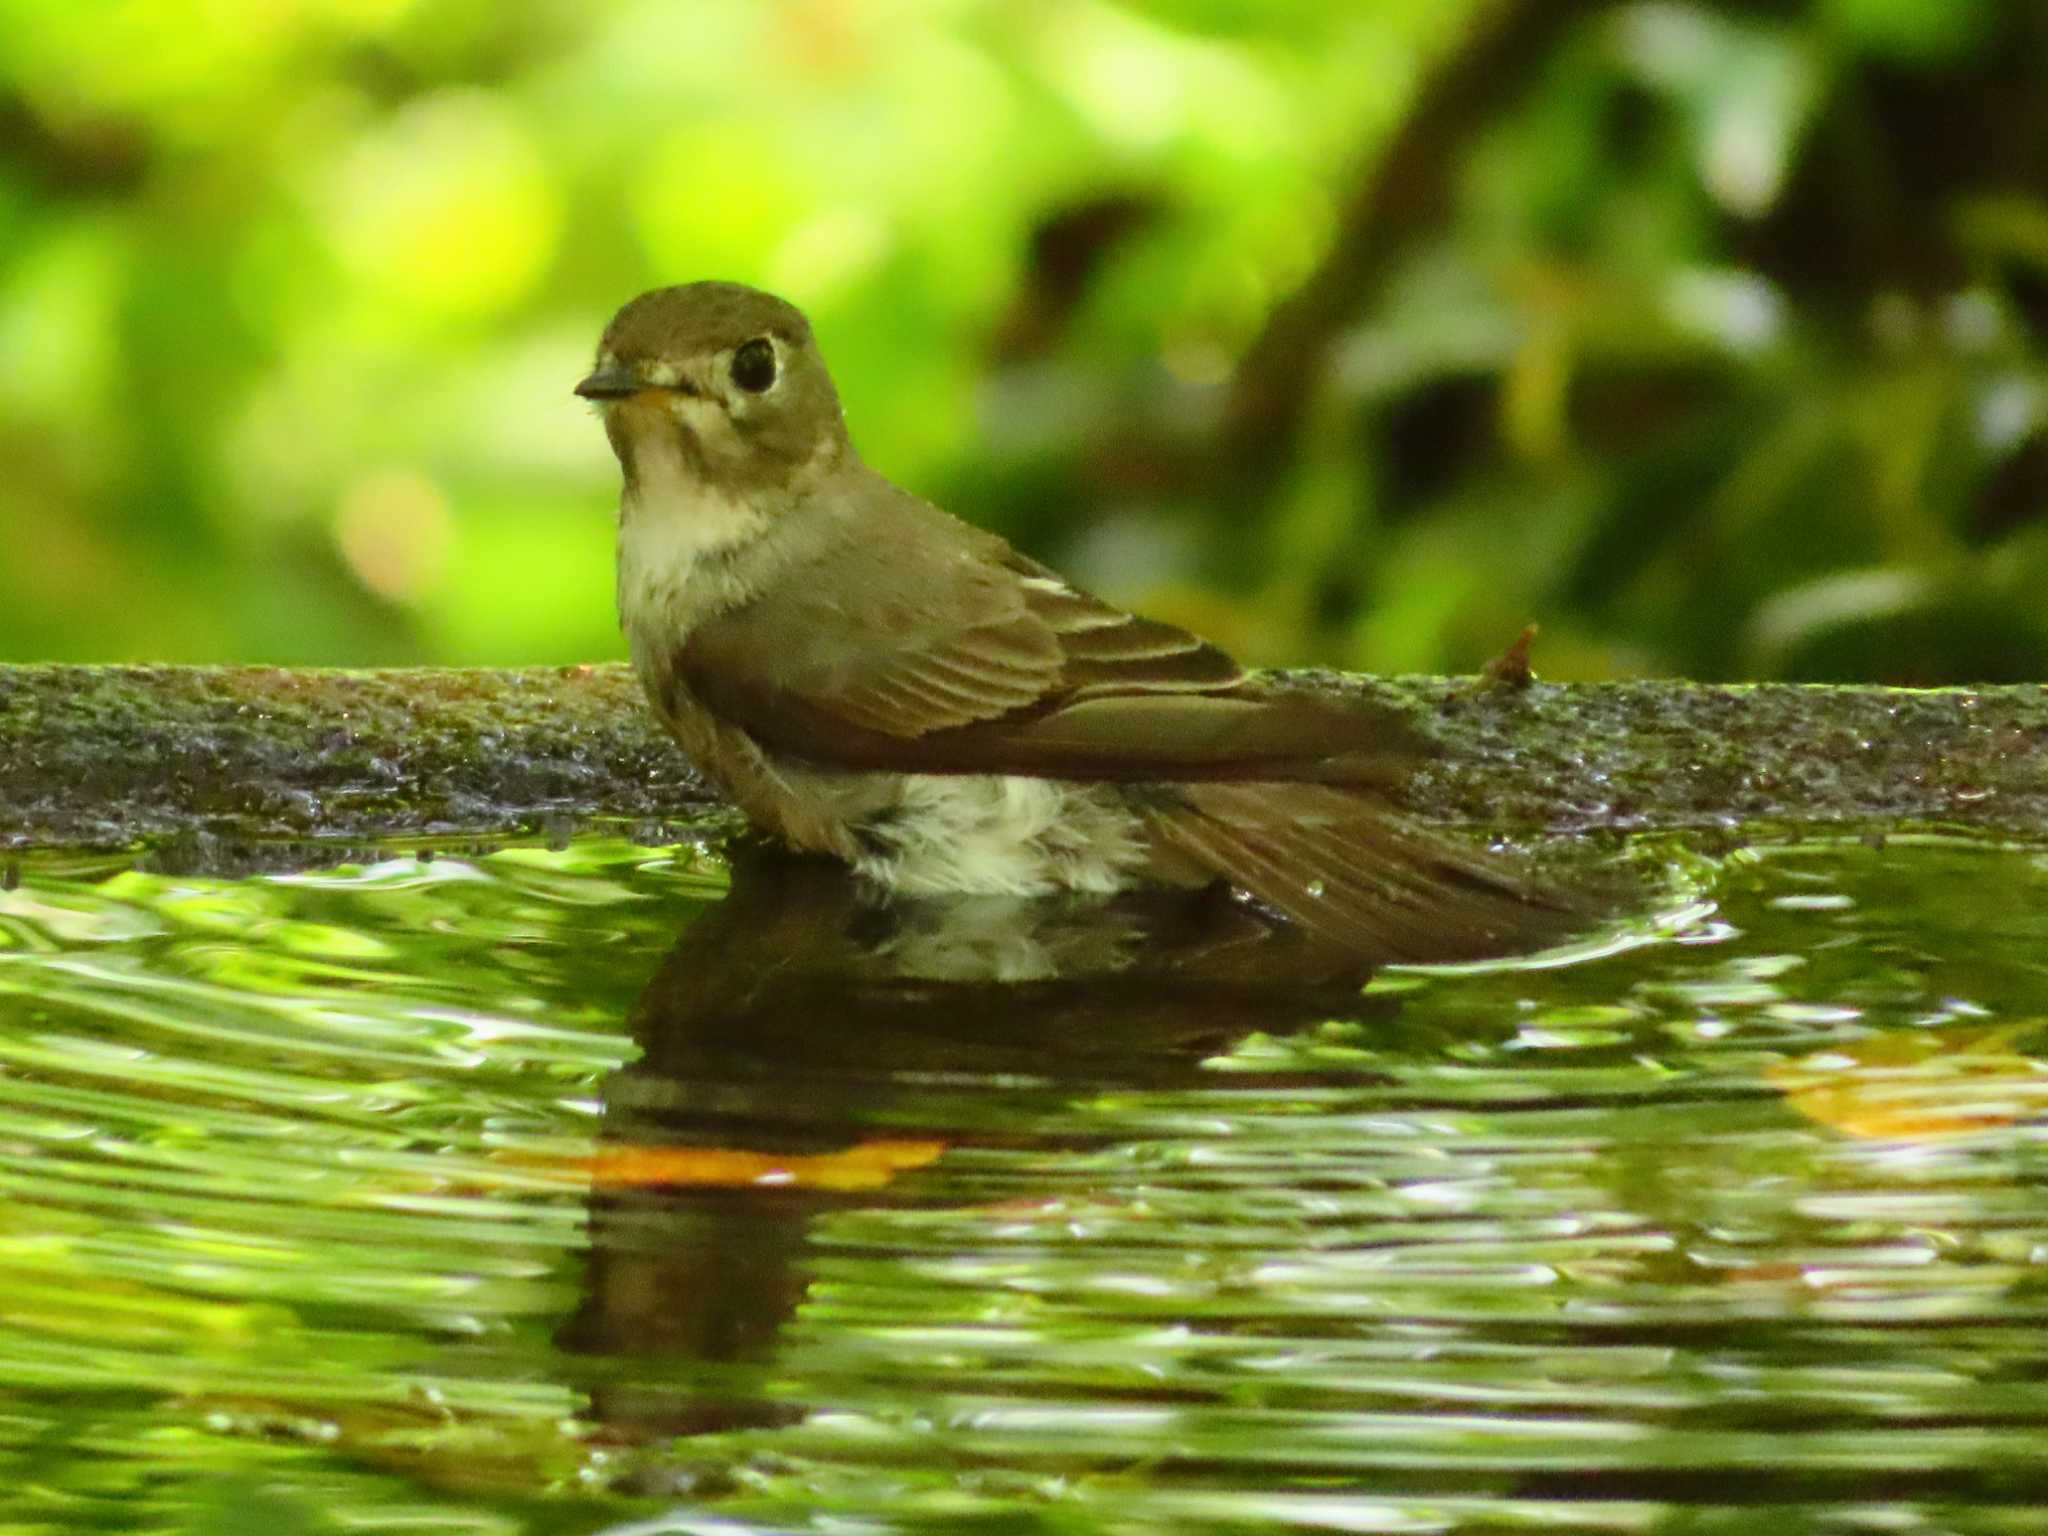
[[753, 365]]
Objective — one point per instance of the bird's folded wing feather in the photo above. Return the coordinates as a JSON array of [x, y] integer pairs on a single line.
[[978, 660], [959, 656]]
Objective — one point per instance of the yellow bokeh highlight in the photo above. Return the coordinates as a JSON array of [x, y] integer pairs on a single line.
[[448, 207], [194, 68], [711, 197], [394, 528]]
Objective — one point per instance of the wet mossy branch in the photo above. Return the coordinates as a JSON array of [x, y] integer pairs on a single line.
[[237, 767], [226, 768]]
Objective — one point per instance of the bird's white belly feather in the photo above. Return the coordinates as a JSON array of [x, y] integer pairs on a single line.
[[1002, 835]]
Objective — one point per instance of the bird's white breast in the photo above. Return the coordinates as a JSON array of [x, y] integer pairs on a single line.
[[673, 527]]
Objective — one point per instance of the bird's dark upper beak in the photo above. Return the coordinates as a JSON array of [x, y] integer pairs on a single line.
[[614, 383]]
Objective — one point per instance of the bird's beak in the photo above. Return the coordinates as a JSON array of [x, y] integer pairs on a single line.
[[613, 383]]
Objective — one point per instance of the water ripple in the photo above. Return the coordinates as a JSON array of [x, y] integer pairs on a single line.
[[437, 1192]]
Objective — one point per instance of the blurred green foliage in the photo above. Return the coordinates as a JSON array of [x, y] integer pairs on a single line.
[[1713, 337]]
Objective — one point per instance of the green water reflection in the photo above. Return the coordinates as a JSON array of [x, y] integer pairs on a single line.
[[557, 1191]]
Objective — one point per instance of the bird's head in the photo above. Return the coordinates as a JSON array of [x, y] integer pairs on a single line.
[[726, 376]]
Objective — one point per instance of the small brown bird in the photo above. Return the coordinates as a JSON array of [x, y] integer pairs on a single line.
[[867, 676]]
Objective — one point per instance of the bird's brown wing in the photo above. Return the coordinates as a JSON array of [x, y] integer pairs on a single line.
[[976, 660]]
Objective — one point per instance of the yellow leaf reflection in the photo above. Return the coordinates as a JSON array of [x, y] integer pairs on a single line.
[[1917, 1085], [867, 1165]]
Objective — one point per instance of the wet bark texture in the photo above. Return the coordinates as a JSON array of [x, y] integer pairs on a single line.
[[227, 769]]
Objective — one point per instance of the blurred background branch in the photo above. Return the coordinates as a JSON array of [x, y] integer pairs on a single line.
[[1406, 195], [1711, 335]]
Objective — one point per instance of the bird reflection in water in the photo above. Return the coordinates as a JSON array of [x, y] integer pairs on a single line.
[[809, 1047]]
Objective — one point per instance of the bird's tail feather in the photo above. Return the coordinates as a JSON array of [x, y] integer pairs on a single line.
[[1343, 863]]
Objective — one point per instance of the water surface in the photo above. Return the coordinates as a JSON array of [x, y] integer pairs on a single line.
[[556, 1192]]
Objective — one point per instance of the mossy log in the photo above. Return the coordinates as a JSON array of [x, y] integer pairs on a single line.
[[241, 767]]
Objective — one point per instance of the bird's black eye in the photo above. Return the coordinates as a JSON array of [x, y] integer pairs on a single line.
[[753, 365]]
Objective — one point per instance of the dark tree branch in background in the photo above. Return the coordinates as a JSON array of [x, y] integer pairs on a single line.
[[238, 768], [1403, 197], [91, 157], [1067, 250], [1871, 206]]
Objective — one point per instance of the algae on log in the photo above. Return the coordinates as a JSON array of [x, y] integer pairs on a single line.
[[245, 766], [224, 769]]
